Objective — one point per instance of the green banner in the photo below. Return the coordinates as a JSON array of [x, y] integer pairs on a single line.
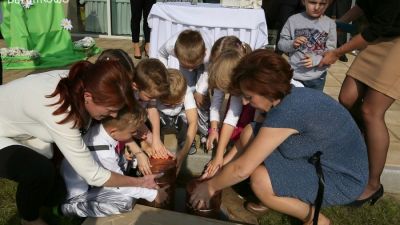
[[38, 28]]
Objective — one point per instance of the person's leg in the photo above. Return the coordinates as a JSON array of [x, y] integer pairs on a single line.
[[181, 133], [35, 178], [146, 29], [342, 6], [136, 12], [373, 109], [351, 94], [262, 187], [98, 202]]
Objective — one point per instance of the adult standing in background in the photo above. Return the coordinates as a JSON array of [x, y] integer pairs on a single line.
[[140, 8], [53, 107], [336, 10], [373, 80]]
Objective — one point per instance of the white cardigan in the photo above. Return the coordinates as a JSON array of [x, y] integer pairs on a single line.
[[26, 119]]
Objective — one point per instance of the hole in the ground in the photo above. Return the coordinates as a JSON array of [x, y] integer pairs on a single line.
[[178, 192]]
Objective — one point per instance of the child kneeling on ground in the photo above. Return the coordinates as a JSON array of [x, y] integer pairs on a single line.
[[102, 139]]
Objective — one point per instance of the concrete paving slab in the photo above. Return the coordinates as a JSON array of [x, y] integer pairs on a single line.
[[394, 131], [144, 215], [393, 156], [393, 117]]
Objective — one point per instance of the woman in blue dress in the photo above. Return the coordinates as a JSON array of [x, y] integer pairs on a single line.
[[275, 153]]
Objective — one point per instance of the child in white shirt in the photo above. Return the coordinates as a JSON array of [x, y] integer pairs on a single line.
[[192, 49], [178, 115], [149, 82], [220, 79], [102, 139]]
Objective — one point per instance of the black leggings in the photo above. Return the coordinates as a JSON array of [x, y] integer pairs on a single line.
[[137, 8], [39, 184]]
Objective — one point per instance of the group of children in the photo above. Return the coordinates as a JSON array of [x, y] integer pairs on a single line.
[[188, 101]]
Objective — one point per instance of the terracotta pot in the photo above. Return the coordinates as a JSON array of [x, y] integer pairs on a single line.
[[168, 167], [214, 207]]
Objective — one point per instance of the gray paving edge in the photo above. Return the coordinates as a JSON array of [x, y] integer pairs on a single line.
[[391, 179]]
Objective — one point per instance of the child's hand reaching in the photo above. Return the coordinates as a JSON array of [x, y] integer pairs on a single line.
[[212, 168], [299, 41], [160, 151], [212, 137], [143, 163], [307, 61], [202, 101]]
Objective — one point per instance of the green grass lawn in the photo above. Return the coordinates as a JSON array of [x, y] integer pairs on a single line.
[[8, 209], [385, 212]]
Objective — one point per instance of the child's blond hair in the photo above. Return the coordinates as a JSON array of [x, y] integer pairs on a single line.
[[190, 48], [177, 88], [220, 72], [152, 77], [126, 119], [228, 42]]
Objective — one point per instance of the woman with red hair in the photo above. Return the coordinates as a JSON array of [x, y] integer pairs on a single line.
[[55, 107]]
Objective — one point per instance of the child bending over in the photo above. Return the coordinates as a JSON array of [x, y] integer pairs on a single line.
[[102, 139], [149, 81], [178, 115], [192, 49], [237, 116]]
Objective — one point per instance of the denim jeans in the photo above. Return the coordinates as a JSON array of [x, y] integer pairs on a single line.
[[317, 84]]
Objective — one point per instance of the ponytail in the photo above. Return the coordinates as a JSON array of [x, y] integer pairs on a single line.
[[108, 82], [70, 90]]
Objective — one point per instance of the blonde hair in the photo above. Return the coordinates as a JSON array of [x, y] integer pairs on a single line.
[[220, 72], [152, 77], [228, 42], [126, 119], [177, 87], [190, 48]]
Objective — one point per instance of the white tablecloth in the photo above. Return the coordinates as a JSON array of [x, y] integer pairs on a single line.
[[168, 18]]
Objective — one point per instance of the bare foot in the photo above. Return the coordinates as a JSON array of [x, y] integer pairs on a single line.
[[38, 221]]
